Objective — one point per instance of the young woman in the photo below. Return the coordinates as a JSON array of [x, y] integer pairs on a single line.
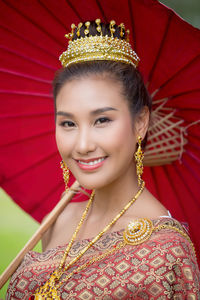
[[122, 243]]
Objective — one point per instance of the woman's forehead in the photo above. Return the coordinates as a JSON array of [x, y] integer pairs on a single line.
[[93, 92]]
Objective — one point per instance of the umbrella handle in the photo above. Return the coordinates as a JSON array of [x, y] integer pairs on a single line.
[[51, 218]]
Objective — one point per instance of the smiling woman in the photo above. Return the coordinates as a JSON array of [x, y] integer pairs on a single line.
[[98, 130], [123, 243]]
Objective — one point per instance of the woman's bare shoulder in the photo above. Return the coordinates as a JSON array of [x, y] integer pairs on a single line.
[[63, 227]]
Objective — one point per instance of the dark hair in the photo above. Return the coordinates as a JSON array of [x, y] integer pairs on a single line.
[[133, 87]]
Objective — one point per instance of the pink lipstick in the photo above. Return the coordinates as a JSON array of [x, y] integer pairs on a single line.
[[91, 164]]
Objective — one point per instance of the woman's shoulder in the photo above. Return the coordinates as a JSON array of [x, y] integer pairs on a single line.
[[163, 237], [64, 226]]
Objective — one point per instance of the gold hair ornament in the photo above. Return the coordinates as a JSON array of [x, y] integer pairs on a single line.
[[122, 29], [111, 27], [98, 28], [71, 35], [78, 29], [87, 30], [99, 47]]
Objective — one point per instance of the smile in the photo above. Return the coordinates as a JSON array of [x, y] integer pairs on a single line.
[[92, 164]]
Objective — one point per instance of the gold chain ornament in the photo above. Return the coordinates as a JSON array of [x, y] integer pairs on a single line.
[[50, 289], [65, 174], [139, 156], [134, 235], [123, 243]]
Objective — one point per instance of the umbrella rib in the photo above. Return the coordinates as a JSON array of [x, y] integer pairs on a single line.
[[101, 10], [189, 109], [25, 76], [35, 24], [193, 173], [74, 9], [26, 139], [52, 14], [197, 160], [28, 41], [173, 125], [36, 115], [190, 191], [26, 93], [195, 136], [188, 65], [161, 143], [35, 164], [197, 148], [132, 24], [158, 195], [175, 193], [161, 47], [183, 93], [41, 203], [28, 58]]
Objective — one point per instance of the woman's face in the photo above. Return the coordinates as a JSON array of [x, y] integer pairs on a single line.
[[94, 131]]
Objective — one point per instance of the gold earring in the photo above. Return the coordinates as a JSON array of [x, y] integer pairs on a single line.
[[65, 174], [139, 156]]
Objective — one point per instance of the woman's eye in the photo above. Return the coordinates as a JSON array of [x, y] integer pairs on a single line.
[[102, 120], [67, 124]]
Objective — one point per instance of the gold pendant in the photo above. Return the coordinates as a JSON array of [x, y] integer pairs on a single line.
[[48, 291], [138, 231]]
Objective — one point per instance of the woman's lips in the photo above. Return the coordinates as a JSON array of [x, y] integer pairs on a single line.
[[91, 164]]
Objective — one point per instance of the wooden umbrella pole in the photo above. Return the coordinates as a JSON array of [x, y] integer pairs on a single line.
[[51, 218]]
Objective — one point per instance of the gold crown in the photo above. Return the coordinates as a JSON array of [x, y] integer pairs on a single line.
[[98, 47]]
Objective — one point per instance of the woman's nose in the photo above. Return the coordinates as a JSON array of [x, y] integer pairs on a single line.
[[84, 142]]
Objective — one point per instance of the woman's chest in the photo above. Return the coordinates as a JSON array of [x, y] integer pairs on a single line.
[[122, 274]]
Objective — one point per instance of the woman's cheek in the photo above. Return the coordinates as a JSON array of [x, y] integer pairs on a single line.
[[61, 141], [65, 143], [120, 134]]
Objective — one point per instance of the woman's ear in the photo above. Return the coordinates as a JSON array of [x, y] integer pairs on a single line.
[[142, 122]]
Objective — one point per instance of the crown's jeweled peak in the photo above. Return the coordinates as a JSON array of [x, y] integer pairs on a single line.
[[98, 47]]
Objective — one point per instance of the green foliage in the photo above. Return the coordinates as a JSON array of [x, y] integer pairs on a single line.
[[188, 10], [16, 228]]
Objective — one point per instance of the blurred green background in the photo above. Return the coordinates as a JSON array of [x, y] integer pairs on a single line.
[[16, 227], [187, 9]]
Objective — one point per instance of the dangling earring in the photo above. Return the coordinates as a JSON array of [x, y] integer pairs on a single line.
[[139, 156], [65, 174]]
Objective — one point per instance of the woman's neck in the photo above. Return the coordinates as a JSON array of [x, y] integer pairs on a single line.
[[113, 197]]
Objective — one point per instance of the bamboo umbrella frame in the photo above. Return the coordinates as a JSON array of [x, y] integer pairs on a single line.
[[166, 136], [50, 219]]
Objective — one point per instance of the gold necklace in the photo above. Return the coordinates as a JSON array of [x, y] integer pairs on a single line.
[[134, 241], [50, 289]]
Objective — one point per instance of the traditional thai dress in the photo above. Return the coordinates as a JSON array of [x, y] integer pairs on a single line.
[[162, 267]]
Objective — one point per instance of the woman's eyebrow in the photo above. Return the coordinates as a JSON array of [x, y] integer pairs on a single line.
[[65, 114], [102, 110], [94, 112]]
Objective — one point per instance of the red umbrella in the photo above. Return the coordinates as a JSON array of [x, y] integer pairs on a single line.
[[32, 38]]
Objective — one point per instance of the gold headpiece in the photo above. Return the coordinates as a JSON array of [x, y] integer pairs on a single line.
[[98, 47]]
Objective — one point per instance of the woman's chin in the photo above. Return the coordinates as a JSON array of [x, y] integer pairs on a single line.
[[92, 184]]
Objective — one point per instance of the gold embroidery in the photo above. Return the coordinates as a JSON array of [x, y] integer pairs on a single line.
[[140, 230]]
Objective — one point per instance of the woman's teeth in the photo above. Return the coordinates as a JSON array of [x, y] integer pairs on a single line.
[[94, 162]]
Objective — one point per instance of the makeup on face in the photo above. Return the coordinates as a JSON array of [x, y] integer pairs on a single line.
[[94, 131]]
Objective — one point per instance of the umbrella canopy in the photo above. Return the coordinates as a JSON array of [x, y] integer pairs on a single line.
[[32, 38]]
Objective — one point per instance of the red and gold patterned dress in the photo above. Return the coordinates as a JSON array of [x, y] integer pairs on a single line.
[[163, 267]]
